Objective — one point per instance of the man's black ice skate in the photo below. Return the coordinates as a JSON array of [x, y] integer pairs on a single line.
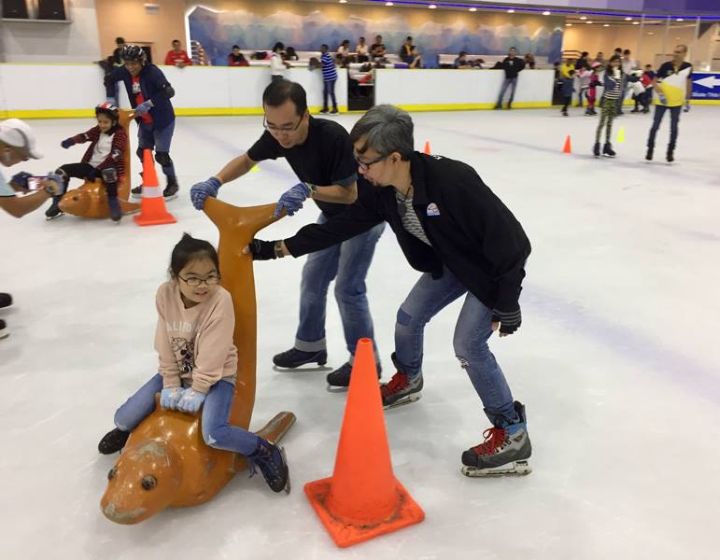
[[339, 380], [294, 358], [608, 151], [4, 332], [171, 190], [649, 153], [670, 156], [270, 459], [596, 149], [6, 300], [505, 451], [113, 441]]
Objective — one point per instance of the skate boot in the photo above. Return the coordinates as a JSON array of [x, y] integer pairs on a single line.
[[505, 451], [596, 149], [608, 151], [649, 153], [115, 210], [564, 113], [113, 441], [5, 300], [271, 461], [401, 389], [294, 358], [670, 156], [54, 210], [339, 380], [170, 191], [4, 332], [136, 192]]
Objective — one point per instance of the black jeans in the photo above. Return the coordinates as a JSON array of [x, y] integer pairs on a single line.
[[674, 120], [329, 90], [82, 171]]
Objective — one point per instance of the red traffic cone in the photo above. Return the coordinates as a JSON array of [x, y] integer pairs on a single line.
[[152, 206], [362, 499], [426, 149], [567, 148]]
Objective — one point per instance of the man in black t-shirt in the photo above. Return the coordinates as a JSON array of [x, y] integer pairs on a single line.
[[320, 153], [512, 66]]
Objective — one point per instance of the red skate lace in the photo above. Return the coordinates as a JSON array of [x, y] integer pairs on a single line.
[[494, 438], [398, 382]]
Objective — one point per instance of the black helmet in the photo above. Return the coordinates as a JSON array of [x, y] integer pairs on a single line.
[[133, 52], [107, 109]]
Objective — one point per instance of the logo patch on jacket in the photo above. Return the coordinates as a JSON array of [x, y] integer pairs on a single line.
[[433, 210]]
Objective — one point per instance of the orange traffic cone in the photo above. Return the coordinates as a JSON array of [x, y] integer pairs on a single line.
[[426, 149], [152, 206], [567, 148], [362, 499]]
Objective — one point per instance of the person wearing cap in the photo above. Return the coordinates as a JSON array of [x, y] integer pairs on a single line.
[[17, 143]]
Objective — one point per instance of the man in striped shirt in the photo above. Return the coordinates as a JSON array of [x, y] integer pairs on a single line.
[[329, 78]]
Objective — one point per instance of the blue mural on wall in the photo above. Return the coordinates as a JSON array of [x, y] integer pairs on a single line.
[[218, 31]]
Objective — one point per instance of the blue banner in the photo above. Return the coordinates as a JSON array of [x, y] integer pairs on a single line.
[[706, 85]]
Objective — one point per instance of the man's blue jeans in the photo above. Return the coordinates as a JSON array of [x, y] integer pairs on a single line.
[[657, 119], [160, 140], [216, 430], [472, 331], [348, 264], [512, 84]]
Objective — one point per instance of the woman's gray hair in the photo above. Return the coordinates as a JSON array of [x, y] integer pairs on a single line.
[[386, 129]]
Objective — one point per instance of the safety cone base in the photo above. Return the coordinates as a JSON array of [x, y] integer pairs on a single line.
[[346, 532], [157, 220]]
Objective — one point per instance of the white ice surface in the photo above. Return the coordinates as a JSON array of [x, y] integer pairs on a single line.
[[617, 360]]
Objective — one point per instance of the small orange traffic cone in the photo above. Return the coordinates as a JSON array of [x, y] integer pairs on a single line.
[[152, 206], [362, 499], [426, 149], [567, 148]]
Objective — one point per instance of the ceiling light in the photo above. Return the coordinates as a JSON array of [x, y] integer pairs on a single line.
[[343, 1], [651, 33], [568, 25], [583, 18], [432, 6], [473, 9], [636, 23], [628, 19], [679, 19], [546, 13], [588, 22], [511, 11], [606, 25], [389, 4]]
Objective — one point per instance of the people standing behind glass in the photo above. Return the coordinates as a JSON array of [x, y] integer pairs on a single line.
[[530, 61], [406, 50], [361, 50], [599, 58], [236, 58], [512, 66], [277, 64], [628, 65], [343, 54], [416, 62], [377, 49], [177, 56]]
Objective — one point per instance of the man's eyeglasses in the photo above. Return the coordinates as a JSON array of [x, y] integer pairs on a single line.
[[194, 281], [281, 129], [365, 165]]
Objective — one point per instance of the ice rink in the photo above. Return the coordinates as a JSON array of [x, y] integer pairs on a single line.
[[617, 360]]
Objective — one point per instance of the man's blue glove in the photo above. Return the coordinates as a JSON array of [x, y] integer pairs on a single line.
[[170, 397], [191, 401], [200, 191], [20, 180], [143, 108], [67, 143], [292, 199]]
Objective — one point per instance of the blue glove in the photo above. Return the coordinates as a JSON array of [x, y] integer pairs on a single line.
[[687, 107], [67, 143], [191, 401], [292, 199], [111, 100], [143, 108], [200, 191], [20, 180], [56, 178], [170, 397]]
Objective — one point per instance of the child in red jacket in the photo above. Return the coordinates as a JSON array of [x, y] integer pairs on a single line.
[[105, 159]]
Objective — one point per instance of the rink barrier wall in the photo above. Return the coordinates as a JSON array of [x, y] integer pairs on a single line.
[[224, 91]]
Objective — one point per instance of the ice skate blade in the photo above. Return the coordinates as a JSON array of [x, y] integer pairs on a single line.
[[301, 369], [171, 197], [402, 402], [517, 468], [51, 218], [336, 389], [287, 486]]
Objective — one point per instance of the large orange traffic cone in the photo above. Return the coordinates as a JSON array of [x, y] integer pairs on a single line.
[[152, 206], [426, 149], [362, 499], [567, 148]]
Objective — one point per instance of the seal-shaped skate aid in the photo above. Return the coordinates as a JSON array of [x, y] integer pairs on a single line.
[[152, 206], [90, 199], [165, 461], [362, 499]]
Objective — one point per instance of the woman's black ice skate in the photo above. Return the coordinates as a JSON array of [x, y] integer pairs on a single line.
[[113, 441]]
